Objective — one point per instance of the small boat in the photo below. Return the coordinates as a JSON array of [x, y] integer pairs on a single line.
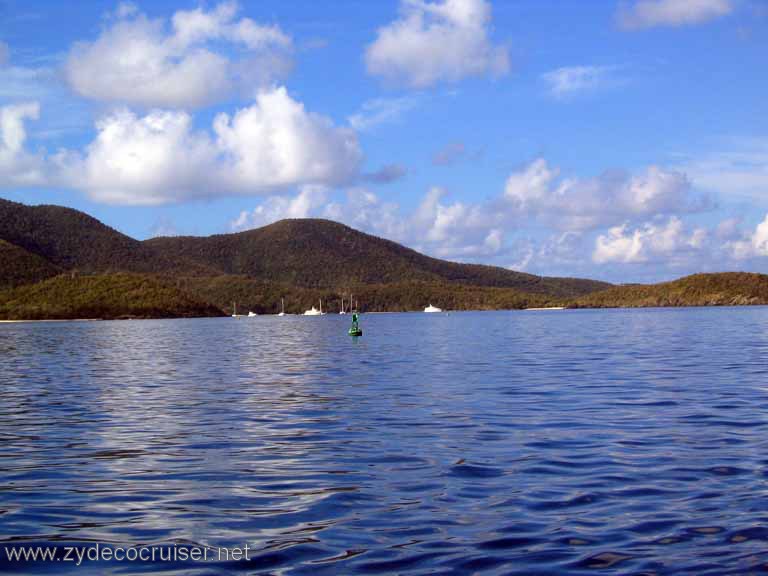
[[343, 311], [282, 307], [252, 314], [431, 308], [235, 314], [314, 311]]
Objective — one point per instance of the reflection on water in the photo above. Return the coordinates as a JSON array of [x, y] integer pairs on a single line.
[[577, 442]]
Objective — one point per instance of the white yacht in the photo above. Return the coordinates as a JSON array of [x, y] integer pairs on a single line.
[[343, 311], [282, 307], [431, 308], [252, 314], [314, 311]]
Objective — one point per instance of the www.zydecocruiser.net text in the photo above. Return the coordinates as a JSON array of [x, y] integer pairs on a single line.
[[78, 555]]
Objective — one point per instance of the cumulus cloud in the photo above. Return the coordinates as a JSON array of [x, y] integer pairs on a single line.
[[137, 60], [651, 13], [277, 143], [583, 204], [307, 203], [670, 241], [152, 159], [456, 229], [159, 157], [18, 167], [432, 42], [750, 245], [445, 229], [572, 80]]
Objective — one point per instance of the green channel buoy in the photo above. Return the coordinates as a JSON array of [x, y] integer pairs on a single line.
[[355, 330]]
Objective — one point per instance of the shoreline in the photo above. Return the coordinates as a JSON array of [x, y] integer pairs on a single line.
[[535, 309]]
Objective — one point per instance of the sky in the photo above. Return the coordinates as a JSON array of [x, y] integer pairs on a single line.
[[623, 140]]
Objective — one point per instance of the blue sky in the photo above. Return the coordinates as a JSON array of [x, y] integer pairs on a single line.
[[625, 140]]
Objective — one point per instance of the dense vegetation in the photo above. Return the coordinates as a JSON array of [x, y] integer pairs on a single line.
[[21, 267], [60, 263], [323, 254], [264, 297], [299, 260], [72, 240], [723, 289], [113, 296]]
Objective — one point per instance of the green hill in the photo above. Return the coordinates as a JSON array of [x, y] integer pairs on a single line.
[[106, 297], [72, 240], [721, 289], [307, 253], [320, 253], [19, 267], [57, 262]]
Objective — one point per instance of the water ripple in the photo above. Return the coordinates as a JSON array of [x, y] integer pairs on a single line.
[[586, 442]]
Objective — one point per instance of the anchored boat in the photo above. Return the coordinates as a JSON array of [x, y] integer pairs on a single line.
[[314, 311]]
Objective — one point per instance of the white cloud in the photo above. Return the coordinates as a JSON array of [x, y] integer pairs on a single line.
[[160, 157], [382, 111], [153, 159], [581, 204], [450, 230], [456, 229], [531, 185], [17, 166], [571, 80], [668, 241], [306, 204], [277, 143], [564, 253], [436, 41], [650, 13], [751, 245], [136, 60], [4, 54]]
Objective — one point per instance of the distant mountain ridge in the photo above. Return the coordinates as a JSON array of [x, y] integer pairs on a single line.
[[323, 253], [718, 289], [307, 253], [57, 262]]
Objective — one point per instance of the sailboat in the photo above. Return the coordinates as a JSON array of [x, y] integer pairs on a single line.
[[282, 307], [235, 314], [314, 311], [343, 311]]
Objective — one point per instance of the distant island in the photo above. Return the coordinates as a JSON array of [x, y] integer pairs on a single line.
[[59, 263]]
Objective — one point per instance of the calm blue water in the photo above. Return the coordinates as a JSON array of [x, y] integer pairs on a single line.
[[575, 442]]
